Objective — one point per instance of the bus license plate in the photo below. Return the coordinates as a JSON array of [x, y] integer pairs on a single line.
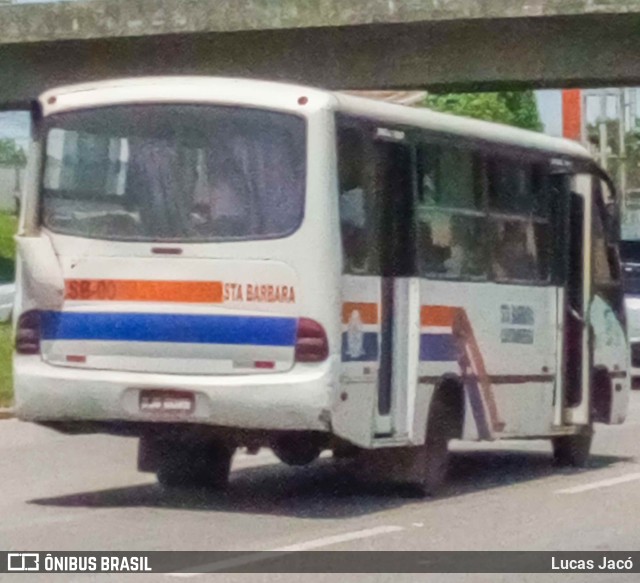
[[153, 401]]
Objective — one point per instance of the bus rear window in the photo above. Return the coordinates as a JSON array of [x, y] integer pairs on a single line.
[[174, 173]]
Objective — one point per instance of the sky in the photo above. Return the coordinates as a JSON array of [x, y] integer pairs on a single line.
[[15, 126], [550, 108]]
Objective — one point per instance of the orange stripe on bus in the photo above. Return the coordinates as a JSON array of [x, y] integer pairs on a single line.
[[368, 312], [127, 290], [437, 315]]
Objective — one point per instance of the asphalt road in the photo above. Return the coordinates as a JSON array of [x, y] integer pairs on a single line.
[[84, 493]]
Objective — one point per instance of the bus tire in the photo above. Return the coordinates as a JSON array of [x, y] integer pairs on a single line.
[[195, 465], [296, 449], [444, 425], [572, 450], [436, 465]]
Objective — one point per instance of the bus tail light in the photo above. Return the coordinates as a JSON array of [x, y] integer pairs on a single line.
[[28, 333], [311, 343]]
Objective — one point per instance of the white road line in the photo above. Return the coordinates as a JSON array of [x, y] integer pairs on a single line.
[[303, 546], [601, 484], [338, 538]]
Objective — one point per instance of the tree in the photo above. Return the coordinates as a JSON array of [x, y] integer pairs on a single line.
[[516, 108], [11, 154]]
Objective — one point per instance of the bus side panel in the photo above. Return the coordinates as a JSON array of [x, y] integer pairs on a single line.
[[501, 339], [611, 354], [632, 312], [354, 419]]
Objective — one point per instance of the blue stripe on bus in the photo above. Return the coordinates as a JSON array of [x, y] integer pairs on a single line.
[[199, 329], [369, 348], [438, 348]]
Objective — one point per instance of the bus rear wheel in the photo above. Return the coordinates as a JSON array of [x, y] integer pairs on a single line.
[[442, 427], [195, 465], [296, 450], [572, 450]]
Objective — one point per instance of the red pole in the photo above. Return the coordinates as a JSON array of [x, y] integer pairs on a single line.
[[572, 114]]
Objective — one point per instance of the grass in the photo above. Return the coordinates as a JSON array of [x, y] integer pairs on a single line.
[[6, 381], [8, 225]]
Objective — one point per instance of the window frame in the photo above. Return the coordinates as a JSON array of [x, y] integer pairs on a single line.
[[555, 197], [45, 124], [370, 128], [486, 151]]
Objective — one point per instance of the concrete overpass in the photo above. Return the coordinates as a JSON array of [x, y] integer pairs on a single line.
[[349, 44]]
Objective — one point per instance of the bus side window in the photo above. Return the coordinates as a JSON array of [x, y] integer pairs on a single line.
[[450, 217], [611, 227], [519, 217], [393, 185], [605, 257], [375, 178], [559, 197], [602, 275], [355, 209]]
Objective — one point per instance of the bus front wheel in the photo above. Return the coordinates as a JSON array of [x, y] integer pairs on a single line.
[[195, 465], [572, 450]]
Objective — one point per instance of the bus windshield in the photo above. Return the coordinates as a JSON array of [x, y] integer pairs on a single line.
[[174, 173]]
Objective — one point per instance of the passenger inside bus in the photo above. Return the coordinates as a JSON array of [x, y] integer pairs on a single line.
[[432, 257], [512, 259], [467, 251], [455, 264], [222, 199], [353, 215]]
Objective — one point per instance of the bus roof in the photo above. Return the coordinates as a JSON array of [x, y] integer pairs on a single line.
[[460, 126], [284, 96]]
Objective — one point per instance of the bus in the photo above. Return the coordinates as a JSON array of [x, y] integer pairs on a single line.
[[211, 264], [630, 257]]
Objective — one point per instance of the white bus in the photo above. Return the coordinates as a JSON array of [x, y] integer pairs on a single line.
[[212, 264], [630, 257]]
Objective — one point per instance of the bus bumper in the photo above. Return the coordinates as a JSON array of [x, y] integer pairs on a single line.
[[298, 400]]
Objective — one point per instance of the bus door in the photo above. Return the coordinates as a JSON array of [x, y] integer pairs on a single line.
[[378, 372], [611, 380], [399, 291], [577, 337]]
